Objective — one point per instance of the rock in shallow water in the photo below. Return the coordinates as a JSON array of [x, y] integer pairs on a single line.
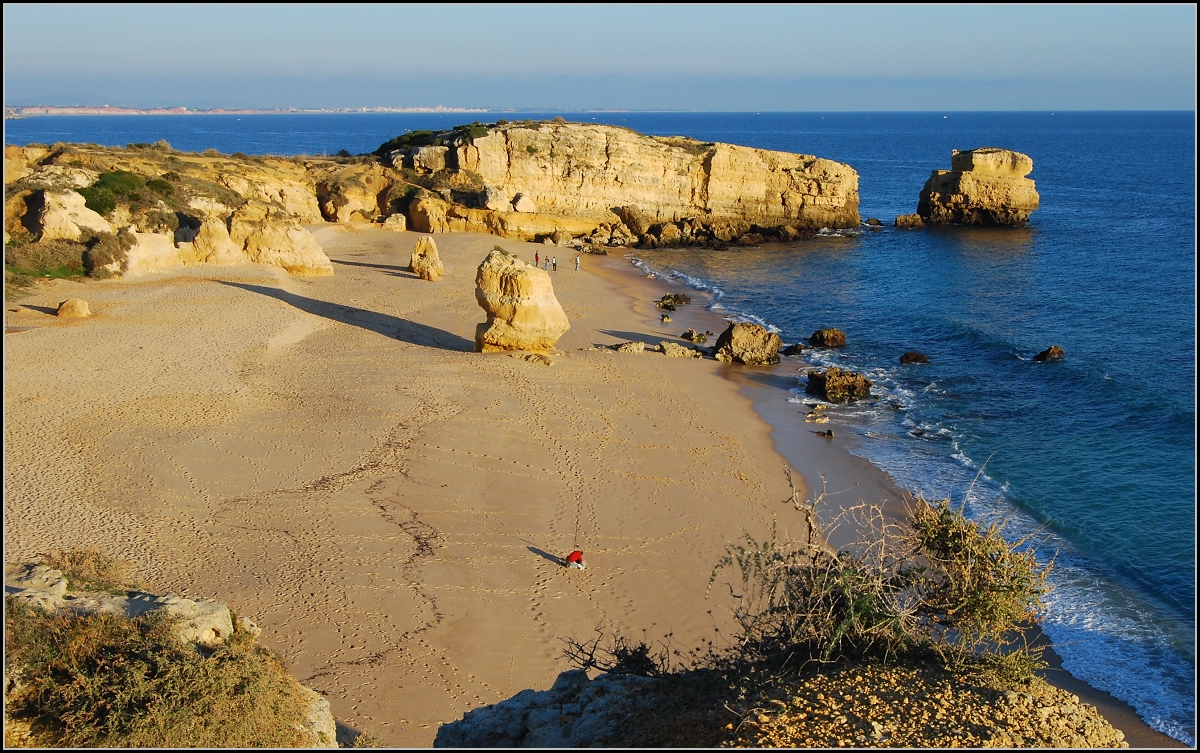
[[838, 386], [984, 186], [1053, 353], [748, 343]]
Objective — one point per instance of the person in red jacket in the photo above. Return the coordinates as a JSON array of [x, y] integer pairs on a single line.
[[575, 560]]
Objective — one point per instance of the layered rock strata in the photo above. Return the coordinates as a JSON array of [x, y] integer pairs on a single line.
[[982, 187], [602, 183], [518, 298]]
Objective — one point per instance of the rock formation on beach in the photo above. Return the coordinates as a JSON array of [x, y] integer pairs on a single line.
[[984, 186], [518, 298], [425, 262], [748, 343], [73, 308]]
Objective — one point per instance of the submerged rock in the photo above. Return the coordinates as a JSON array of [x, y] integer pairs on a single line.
[[751, 344], [838, 386], [1053, 353], [913, 356], [984, 186], [522, 312]]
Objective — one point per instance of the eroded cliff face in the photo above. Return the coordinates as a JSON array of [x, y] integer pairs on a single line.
[[588, 172], [564, 183]]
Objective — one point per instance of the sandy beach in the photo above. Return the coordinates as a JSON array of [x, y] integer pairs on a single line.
[[328, 456]]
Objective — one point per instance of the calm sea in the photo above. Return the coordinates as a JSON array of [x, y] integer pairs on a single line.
[[1097, 451]]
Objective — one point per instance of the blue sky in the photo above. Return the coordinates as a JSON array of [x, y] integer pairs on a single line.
[[703, 57]]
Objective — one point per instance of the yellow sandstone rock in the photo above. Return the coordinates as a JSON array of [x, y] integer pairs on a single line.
[[518, 298], [984, 187]]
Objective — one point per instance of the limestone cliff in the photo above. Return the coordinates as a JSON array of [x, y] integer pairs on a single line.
[[530, 178], [983, 187]]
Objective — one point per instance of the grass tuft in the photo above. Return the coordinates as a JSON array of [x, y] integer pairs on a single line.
[[92, 570]]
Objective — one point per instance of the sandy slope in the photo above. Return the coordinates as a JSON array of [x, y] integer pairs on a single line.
[[328, 456]]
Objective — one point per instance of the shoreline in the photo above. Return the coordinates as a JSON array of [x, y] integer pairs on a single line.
[[849, 477], [329, 457]]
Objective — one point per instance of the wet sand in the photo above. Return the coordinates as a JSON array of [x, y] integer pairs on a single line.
[[328, 456]]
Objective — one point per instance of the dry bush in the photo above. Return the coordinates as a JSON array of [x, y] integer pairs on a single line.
[[92, 570], [106, 250], [50, 258], [101, 680], [940, 584]]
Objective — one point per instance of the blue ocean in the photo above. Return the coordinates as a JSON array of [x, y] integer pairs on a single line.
[[1095, 453]]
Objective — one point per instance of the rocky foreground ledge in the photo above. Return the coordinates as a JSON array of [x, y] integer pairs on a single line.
[[84, 665], [856, 705]]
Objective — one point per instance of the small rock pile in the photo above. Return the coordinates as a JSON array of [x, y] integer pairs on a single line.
[[920, 707]]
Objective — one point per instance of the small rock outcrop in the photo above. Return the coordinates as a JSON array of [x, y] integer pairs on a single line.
[[205, 623], [982, 187], [837, 385], [795, 349], [73, 308], [830, 337], [425, 262], [518, 298], [632, 346], [675, 350], [63, 215], [910, 221], [574, 713], [748, 343], [913, 356], [1053, 353], [396, 222], [276, 239]]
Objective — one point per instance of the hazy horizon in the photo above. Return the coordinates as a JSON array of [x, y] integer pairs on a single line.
[[621, 57]]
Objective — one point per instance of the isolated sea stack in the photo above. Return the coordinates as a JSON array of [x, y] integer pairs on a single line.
[[984, 186]]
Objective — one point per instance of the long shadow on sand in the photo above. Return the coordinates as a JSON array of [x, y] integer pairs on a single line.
[[638, 336], [384, 324], [546, 555], [397, 270]]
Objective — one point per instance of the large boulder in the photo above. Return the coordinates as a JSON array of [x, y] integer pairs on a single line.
[[63, 215], [838, 386], [829, 337], [275, 239], [425, 262], [748, 343], [352, 193], [983, 187], [518, 298]]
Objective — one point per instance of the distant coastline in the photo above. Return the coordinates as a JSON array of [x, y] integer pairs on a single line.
[[35, 110]]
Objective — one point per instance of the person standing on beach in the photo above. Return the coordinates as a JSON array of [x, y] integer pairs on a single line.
[[554, 263], [537, 258], [576, 262], [546, 263]]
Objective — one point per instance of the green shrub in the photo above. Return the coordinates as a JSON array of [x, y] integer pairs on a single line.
[[531, 149], [98, 199], [160, 186], [139, 145], [102, 680], [120, 182], [240, 155], [172, 176]]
